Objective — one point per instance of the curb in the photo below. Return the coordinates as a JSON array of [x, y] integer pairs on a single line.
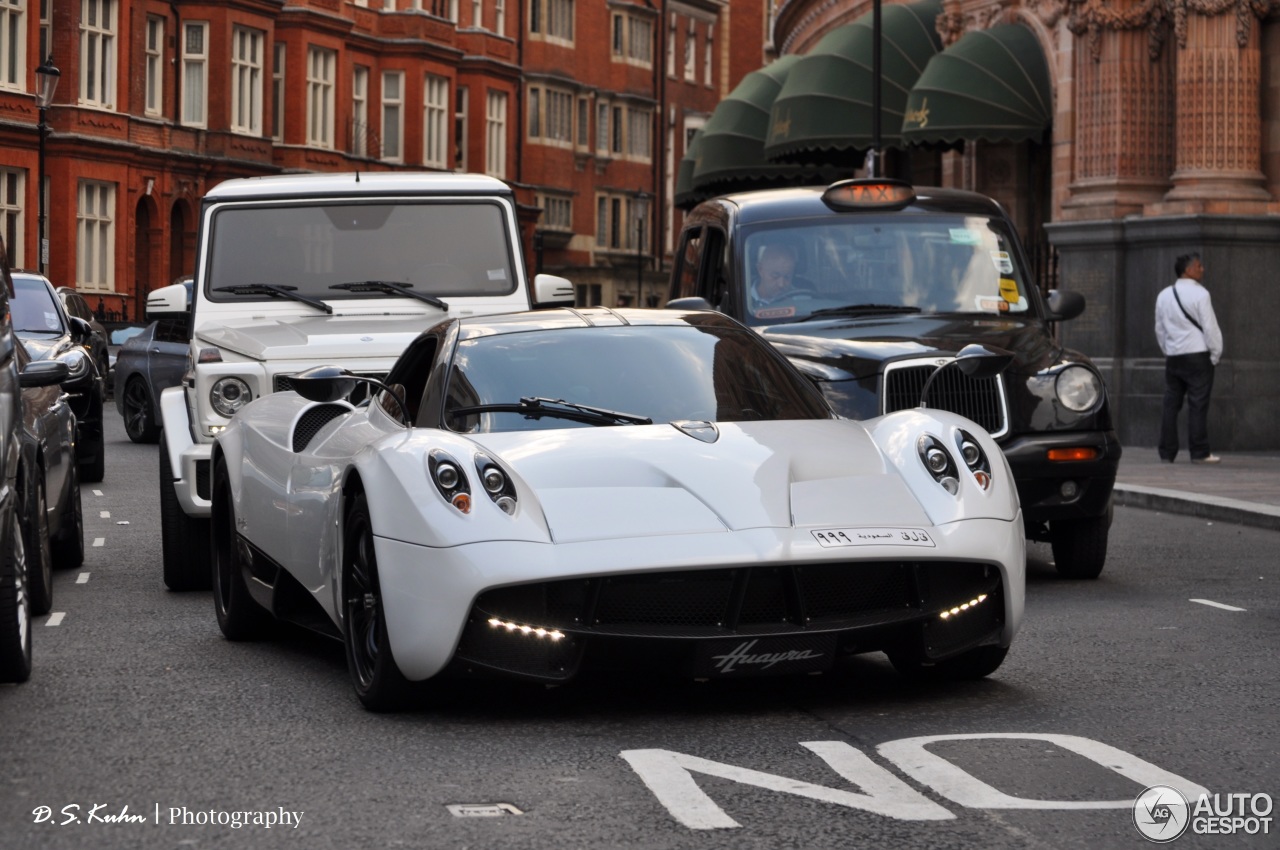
[[1217, 508]]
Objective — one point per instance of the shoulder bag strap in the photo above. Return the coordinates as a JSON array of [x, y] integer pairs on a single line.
[[1184, 309]]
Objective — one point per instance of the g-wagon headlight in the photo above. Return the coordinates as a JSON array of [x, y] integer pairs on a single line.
[[229, 395]]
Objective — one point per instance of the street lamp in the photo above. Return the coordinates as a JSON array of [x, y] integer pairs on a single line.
[[641, 210], [46, 84]]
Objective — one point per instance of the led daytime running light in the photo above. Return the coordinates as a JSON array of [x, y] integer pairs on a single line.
[[535, 631], [964, 606]]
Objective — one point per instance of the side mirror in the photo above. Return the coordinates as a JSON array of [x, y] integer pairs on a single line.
[[44, 373], [81, 331], [333, 383], [693, 302], [552, 289], [1064, 306], [976, 361], [168, 300]]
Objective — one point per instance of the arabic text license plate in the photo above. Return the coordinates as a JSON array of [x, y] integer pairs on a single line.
[[829, 537]]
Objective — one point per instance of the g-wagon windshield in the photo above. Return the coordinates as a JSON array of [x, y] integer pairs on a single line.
[[861, 264], [440, 248]]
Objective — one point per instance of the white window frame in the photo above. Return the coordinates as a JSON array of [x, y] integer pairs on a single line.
[[691, 51], [495, 141], [392, 114], [638, 144], [247, 46], [582, 129], [500, 16], [477, 14], [153, 66], [435, 121], [603, 111], [13, 222], [708, 48], [95, 236], [195, 110], [615, 222], [631, 39], [557, 212], [553, 21], [360, 111], [279, 54], [13, 45], [551, 115], [672, 31], [98, 53], [322, 64]]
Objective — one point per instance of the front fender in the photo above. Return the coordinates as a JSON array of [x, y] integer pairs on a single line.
[[177, 427]]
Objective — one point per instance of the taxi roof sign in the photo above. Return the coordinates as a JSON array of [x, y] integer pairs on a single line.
[[868, 193]]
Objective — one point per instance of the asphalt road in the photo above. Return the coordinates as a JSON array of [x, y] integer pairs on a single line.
[[138, 702]]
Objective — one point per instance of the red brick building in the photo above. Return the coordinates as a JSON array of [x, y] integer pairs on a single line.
[[582, 105]]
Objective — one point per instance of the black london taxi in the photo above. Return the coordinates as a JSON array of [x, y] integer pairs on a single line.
[[870, 285]]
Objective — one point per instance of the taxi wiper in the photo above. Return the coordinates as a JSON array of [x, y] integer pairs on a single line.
[[276, 292], [535, 407], [390, 287], [859, 309]]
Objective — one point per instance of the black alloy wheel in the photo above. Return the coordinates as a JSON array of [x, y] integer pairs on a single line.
[[138, 416], [15, 607], [378, 682], [239, 616], [36, 543], [93, 462], [68, 547]]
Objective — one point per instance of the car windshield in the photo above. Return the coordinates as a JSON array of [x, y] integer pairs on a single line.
[[33, 308], [665, 374], [861, 265], [439, 248]]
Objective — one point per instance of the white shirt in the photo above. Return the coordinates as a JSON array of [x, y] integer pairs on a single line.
[[1175, 333]]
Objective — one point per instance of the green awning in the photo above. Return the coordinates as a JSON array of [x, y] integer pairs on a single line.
[[825, 104], [730, 152], [991, 85]]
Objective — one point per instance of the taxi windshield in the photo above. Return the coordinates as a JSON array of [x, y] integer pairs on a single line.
[[863, 265]]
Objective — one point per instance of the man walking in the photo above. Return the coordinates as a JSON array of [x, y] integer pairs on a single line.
[[1188, 334]]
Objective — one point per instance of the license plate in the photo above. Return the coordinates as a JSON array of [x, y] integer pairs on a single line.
[[829, 537], [765, 656]]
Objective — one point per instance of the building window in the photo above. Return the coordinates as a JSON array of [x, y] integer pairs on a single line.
[[500, 16], [639, 125], [617, 130], [690, 52], [477, 14], [435, 122], [495, 147], [602, 128], [195, 81], [708, 49], [246, 81], [583, 140], [46, 27], [460, 131], [12, 186], [557, 212], [552, 19], [320, 77], [153, 71], [13, 45], [551, 116], [632, 39], [393, 115], [97, 53], [535, 112], [616, 226], [360, 111], [277, 93], [95, 236], [671, 45]]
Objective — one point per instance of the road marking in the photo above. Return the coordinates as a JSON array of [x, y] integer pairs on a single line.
[[83, 578], [98, 541], [105, 514], [97, 492], [55, 619], [1213, 604]]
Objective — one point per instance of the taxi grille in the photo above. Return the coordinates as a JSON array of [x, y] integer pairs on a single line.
[[979, 399]]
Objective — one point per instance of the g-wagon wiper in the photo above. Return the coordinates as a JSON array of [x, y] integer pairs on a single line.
[[534, 407], [859, 309], [390, 287], [276, 292]]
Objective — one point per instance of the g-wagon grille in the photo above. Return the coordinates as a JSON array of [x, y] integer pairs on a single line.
[[981, 400]]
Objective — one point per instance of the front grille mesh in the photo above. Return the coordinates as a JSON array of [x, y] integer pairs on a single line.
[[310, 423], [282, 383], [978, 399]]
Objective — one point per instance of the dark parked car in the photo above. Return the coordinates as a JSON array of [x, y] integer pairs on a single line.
[[75, 305], [146, 364], [49, 333], [48, 483], [15, 604], [868, 285]]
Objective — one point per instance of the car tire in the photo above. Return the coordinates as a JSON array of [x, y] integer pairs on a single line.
[[93, 466], [184, 546], [138, 416], [976, 663], [239, 616], [378, 682], [35, 541], [67, 548], [15, 608], [1080, 545]]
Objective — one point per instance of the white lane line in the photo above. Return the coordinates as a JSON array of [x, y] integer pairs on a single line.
[[83, 578], [55, 619], [97, 492], [98, 541], [1213, 604], [105, 514]]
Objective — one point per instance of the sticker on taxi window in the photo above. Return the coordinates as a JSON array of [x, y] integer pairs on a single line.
[[51, 321], [991, 304], [965, 236], [1004, 264], [1009, 289], [775, 312]]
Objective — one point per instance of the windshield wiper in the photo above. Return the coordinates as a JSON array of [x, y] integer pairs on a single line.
[[535, 407], [859, 309], [390, 287], [276, 292]]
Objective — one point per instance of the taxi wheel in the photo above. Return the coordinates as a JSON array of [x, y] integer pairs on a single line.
[[1080, 546]]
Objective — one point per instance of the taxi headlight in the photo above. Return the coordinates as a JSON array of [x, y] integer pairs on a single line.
[[1078, 388], [229, 395]]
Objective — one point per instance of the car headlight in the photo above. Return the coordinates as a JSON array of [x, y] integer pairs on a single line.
[[229, 395], [1078, 388], [938, 461], [78, 363]]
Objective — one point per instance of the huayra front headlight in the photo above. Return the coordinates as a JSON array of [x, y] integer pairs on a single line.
[[229, 395]]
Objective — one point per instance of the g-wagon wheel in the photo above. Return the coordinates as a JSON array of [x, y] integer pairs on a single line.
[[36, 543], [378, 682], [138, 419], [239, 616], [15, 607], [183, 553]]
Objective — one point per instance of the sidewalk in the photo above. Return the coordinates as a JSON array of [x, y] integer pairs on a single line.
[[1244, 488]]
